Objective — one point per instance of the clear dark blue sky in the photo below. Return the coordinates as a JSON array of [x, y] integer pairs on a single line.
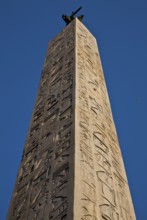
[[121, 31]]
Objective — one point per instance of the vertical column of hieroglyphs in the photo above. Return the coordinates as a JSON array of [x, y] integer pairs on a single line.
[[104, 192], [85, 181], [43, 188]]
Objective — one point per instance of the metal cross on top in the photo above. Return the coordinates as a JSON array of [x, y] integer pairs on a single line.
[[68, 19]]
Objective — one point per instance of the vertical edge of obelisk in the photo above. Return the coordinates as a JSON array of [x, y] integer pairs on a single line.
[[76, 204], [70, 214]]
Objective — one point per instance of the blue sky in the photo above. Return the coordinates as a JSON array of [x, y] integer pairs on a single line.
[[121, 31]]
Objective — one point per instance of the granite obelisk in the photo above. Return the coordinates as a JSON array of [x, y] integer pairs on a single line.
[[72, 167]]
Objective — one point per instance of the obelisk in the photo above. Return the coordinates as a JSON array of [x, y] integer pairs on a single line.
[[72, 167]]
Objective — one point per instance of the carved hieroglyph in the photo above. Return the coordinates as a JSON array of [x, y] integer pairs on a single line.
[[72, 168]]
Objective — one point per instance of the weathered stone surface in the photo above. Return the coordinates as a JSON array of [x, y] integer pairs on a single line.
[[72, 167]]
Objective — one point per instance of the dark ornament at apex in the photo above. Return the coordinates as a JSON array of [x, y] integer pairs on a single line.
[[68, 19]]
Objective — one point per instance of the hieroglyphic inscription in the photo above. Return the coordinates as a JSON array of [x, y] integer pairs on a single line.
[[104, 188], [43, 188], [72, 168]]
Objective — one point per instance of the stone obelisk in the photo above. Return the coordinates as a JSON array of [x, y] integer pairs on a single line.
[[72, 167]]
